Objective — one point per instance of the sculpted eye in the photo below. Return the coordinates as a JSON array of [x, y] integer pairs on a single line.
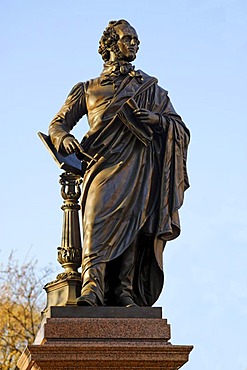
[[126, 39]]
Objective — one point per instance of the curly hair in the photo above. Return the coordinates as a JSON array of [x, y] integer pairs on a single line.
[[109, 39]]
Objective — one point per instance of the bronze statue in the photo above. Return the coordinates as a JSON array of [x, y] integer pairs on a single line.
[[132, 194]]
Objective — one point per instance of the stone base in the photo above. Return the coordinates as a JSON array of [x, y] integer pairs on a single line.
[[104, 338], [62, 292]]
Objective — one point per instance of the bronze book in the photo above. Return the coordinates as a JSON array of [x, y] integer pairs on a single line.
[[69, 163]]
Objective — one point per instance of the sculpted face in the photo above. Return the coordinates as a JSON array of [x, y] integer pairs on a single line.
[[127, 43]]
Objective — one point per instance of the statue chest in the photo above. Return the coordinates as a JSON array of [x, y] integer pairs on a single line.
[[98, 97]]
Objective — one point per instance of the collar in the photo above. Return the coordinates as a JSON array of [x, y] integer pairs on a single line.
[[113, 70]]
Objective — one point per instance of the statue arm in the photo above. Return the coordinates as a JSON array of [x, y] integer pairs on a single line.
[[166, 112], [68, 116], [159, 112]]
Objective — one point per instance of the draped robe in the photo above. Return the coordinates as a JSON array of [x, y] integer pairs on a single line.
[[137, 185]]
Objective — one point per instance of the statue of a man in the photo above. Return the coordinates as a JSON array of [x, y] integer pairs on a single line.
[[132, 194]]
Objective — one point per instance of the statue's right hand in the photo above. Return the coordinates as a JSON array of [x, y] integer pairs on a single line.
[[71, 145]]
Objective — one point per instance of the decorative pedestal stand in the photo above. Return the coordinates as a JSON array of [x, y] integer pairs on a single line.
[[66, 288], [104, 338]]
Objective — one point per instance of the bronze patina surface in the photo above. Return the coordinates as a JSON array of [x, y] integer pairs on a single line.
[[132, 194]]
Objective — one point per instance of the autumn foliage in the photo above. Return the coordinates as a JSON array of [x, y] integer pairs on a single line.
[[21, 302]]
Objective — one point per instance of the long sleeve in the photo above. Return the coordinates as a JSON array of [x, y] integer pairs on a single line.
[[68, 116]]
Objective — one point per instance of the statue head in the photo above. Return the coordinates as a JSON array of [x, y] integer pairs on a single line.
[[119, 42]]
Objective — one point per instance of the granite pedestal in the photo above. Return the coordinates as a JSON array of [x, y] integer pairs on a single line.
[[104, 338]]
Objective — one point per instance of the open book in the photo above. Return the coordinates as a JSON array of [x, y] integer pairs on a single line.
[[69, 163]]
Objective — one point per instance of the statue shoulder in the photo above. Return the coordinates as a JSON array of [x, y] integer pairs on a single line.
[[93, 82], [147, 77], [75, 94], [82, 88], [77, 86]]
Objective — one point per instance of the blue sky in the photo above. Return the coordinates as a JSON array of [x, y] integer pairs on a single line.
[[198, 51]]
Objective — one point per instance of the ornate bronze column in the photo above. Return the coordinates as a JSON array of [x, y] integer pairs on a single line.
[[70, 251], [67, 287]]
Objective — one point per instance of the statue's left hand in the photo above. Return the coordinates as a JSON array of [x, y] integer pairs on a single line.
[[145, 116]]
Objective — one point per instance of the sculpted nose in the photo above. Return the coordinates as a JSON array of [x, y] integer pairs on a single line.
[[132, 42]]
